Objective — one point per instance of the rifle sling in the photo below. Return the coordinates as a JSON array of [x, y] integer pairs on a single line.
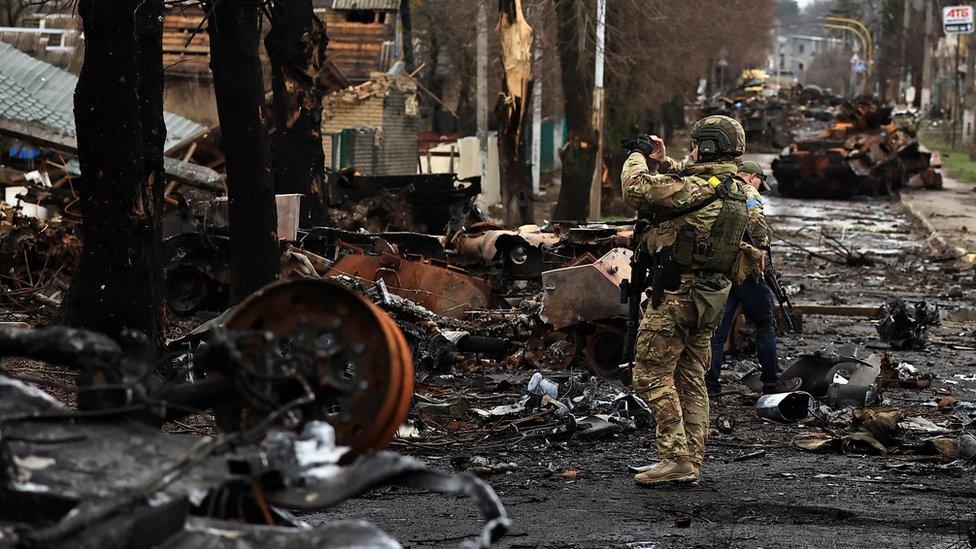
[[657, 220]]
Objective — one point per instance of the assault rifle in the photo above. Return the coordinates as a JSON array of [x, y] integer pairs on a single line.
[[782, 298], [632, 290], [772, 280]]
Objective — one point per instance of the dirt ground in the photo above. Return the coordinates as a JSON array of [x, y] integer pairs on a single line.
[[757, 490]]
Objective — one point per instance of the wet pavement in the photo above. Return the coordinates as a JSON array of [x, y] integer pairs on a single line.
[[579, 493], [949, 216]]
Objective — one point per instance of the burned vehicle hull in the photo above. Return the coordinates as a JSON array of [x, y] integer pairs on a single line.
[[864, 151], [818, 173]]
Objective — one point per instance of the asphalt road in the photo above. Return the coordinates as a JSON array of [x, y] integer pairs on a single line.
[[784, 498]]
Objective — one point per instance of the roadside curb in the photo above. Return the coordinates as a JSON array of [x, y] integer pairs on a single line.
[[942, 241]]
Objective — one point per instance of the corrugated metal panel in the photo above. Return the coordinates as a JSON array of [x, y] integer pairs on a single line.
[[42, 90], [16, 103], [381, 5]]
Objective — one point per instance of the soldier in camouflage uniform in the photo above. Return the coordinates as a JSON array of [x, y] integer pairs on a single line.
[[697, 216], [753, 295]]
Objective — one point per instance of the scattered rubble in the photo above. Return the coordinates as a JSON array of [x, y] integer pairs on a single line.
[[285, 360], [37, 258], [865, 150], [905, 327]]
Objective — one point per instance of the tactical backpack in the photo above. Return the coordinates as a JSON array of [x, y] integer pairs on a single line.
[[716, 251], [689, 252]]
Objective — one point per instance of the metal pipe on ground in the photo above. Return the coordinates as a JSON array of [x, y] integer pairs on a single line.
[[785, 407]]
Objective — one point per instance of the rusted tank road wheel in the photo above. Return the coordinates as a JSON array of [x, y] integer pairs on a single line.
[[353, 351], [604, 351]]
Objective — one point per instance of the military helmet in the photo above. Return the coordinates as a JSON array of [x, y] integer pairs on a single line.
[[719, 135]]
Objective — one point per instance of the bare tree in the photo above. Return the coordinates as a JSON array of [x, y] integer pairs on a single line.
[[12, 10], [239, 89], [296, 47], [830, 69], [658, 51], [118, 113], [512, 111], [579, 152]]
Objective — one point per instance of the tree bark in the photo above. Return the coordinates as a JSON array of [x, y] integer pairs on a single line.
[[296, 47], [406, 23], [579, 153], [435, 83], [239, 90], [512, 111], [118, 116], [149, 56]]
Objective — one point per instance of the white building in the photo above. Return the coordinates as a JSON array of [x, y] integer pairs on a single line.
[[792, 54]]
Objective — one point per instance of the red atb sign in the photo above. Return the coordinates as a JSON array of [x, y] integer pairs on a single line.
[[957, 19]]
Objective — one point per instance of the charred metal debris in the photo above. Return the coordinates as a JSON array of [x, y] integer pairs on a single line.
[[419, 243], [830, 147], [865, 149], [308, 380], [304, 414], [853, 401]]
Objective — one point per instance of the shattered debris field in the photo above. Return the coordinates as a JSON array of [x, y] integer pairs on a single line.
[[490, 361], [528, 273], [758, 489]]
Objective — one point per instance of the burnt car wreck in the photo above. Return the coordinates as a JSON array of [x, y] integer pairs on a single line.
[[304, 412]]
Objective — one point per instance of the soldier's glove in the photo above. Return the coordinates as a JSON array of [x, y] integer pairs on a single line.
[[642, 144]]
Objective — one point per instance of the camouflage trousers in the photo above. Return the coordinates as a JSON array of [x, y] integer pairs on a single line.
[[673, 352]]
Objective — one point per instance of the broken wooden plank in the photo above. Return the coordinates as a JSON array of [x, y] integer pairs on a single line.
[[872, 311], [865, 311], [195, 175]]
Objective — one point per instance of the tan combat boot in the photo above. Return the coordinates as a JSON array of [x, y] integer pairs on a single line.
[[666, 470]]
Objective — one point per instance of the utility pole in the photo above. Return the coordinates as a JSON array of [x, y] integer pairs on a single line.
[[537, 124], [905, 27], [969, 113], [596, 186], [482, 84], [956, 93], [927, 64]]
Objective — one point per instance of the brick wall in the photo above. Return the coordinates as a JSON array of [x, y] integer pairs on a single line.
[[359, 114], [400, 135], [363, 152], [395, 119]]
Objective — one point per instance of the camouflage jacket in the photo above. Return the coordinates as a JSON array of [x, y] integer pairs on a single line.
[[758, 227], [673, 186]]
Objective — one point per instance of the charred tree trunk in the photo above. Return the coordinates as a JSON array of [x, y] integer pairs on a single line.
[[149, 36], [466, 123], [579, 153], [296, 47], [406, 23], [435, 83], [118, 115], [239, 90], [512, 112]]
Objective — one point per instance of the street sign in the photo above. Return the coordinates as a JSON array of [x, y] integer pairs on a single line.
[[957, 19]]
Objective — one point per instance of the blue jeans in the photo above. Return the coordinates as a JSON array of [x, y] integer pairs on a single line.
[[757, 304]]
